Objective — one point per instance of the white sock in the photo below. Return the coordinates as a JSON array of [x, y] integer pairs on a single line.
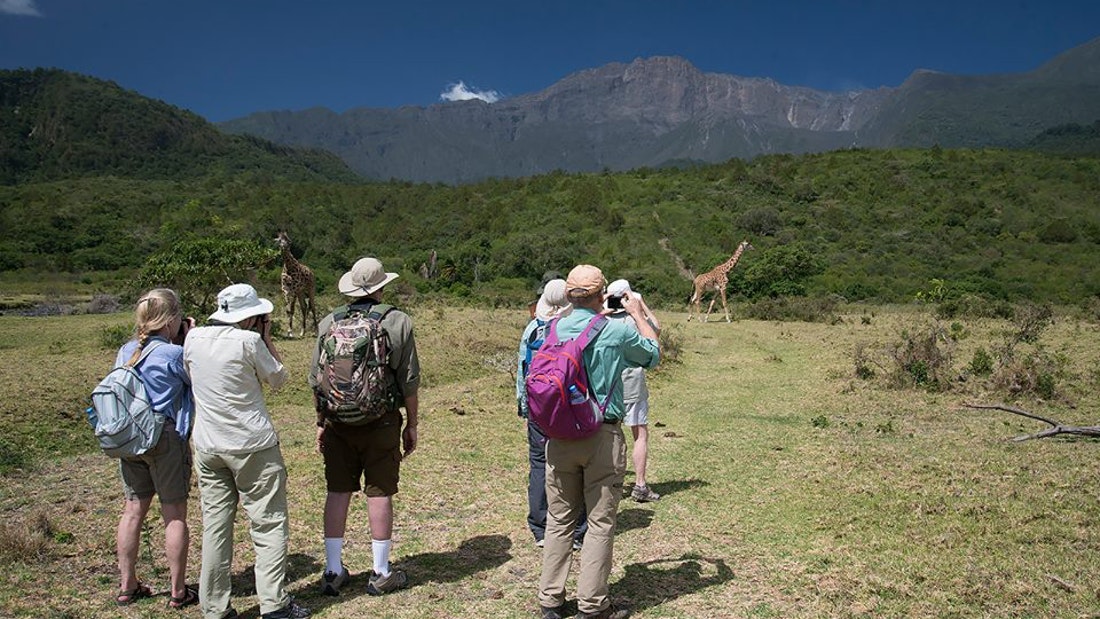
[[334, 549], [381, 550]]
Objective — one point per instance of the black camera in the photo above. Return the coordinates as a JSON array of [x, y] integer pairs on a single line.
[[615, 303]]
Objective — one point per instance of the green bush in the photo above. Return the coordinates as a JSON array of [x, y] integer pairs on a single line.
[[981, 364]]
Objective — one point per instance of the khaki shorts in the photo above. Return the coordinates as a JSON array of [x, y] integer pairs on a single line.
[[371, 453], [637, 413], [164, 470]]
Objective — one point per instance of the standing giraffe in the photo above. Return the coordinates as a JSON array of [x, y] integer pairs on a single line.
[[715, 280], [298, 287]]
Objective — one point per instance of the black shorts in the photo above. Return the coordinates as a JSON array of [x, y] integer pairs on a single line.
[[371, 453]]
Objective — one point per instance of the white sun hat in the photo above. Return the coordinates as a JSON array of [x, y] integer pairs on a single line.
[[240, 301]]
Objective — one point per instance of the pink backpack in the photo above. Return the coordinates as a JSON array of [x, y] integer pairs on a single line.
[[558, 394]]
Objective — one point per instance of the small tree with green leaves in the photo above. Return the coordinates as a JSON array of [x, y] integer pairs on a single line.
[[198, 269]]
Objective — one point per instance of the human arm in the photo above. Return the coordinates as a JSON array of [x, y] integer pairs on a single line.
[[409, 435], [639, 311], [650, 317], [269, 364]]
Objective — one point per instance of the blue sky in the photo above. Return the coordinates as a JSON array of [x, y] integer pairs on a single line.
[[226, 58]]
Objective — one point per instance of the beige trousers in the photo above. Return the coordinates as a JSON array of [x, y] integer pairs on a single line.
[[588, 472], [258, 480]]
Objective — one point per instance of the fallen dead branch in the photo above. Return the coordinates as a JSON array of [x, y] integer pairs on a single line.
[[1056, 426]]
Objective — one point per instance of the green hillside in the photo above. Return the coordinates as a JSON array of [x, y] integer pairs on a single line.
[[865, 225], [60, 125]]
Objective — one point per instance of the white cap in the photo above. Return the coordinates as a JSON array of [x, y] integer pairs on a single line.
[[619, 288]]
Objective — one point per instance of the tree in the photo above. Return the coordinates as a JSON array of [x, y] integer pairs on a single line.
[[199, 268], [782, 271]]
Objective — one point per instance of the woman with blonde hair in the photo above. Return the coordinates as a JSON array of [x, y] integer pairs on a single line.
[[156, 352]]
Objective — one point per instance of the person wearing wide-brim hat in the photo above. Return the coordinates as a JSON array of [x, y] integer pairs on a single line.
[[237, 450], [370, 453]]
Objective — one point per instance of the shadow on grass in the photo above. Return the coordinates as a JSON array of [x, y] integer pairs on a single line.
[[298, 566], [630, 519], [668, 488], [472, 555], [654, 582]]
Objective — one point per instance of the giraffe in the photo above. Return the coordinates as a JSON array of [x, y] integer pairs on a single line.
[[715, 280], [298, 287]]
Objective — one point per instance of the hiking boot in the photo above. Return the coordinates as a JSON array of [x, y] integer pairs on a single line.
[[380, 585], [290, 611], [578, 544], [551, 613], [611, 612], [642, 494], [331, 582]]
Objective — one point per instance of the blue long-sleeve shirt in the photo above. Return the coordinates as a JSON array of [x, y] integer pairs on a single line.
[[166, 381]]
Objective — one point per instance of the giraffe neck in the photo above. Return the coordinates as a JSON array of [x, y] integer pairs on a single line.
[[729, 264], [289, 262]]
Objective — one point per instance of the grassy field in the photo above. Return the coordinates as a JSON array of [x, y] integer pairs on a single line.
[[791, 487]]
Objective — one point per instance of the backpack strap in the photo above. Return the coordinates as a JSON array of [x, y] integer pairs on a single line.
[[378, 311], [590, 331]]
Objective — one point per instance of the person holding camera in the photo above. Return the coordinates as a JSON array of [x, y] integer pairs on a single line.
[[237, 451], [635, 391], [165, 470]]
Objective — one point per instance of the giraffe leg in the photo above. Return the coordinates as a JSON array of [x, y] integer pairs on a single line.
[[290, 298], [313, 309], [710, 308], [724, 310]]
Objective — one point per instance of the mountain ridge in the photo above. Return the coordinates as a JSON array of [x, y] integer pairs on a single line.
[[649, 111]]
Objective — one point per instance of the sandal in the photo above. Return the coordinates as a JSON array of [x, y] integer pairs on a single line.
[[190, 597], [125, 598]]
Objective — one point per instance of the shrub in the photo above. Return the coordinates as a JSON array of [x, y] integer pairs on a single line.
[[1030, 320], [863, 363], [671, 340], [26, 541], [804, 309], [981, 364], [1037, 372], [114, 336], [923, 358]]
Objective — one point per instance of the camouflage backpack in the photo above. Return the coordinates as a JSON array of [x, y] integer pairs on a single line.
[[353, 386]]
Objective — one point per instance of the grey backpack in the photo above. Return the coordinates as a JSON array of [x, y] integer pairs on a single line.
[[125, 422]]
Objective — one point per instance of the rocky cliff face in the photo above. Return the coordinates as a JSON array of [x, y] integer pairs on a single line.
[[654, 110]]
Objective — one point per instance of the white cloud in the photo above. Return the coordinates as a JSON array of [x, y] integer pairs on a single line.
[[20, 7], [459, 92]]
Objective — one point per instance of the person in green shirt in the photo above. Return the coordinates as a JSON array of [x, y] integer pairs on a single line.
[[589, 472]]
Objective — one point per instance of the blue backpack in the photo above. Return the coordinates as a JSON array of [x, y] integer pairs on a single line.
[[558, 395], [122, 412]]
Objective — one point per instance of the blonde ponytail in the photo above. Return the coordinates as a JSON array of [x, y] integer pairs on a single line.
[[155, 310]]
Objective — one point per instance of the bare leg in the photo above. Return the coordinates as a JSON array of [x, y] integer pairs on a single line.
[[336, 513], [177, 538], [640, 453], [380, 511], [128, 539]]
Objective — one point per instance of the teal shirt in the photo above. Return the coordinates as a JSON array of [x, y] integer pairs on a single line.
[[617, 347]]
